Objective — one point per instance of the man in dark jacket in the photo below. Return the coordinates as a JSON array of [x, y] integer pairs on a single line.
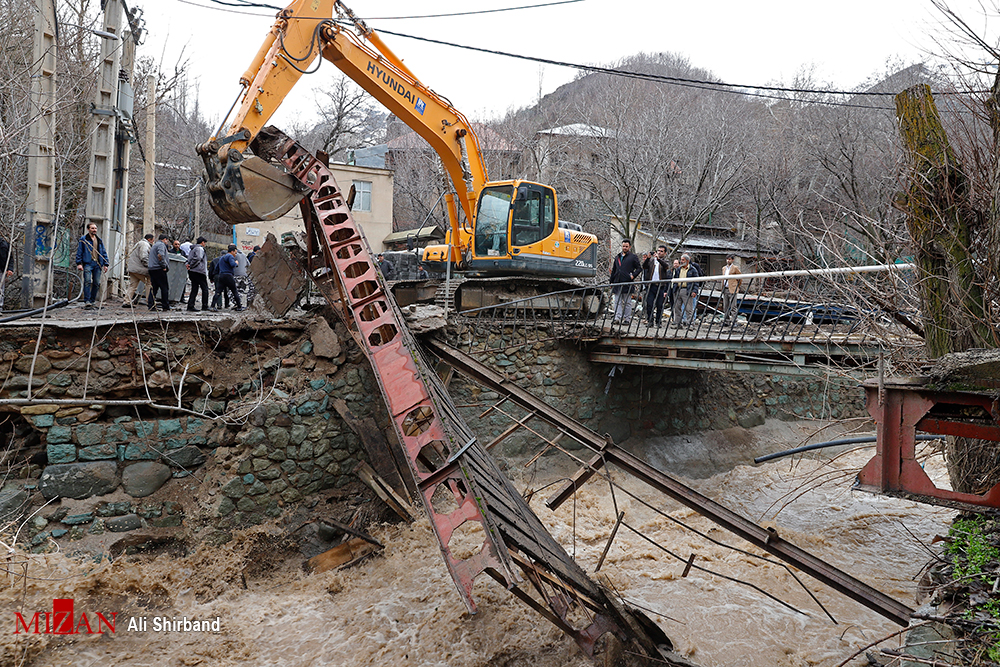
[[655, 271], [158, 266], [685, 293], [624, 269], [386, 267], [226, 280], [197, 266], [6, 266], [91, 258], [213, 276]]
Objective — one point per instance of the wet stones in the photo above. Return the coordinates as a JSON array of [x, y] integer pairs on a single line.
[[77, 519], [145, 478], [61, 453], [121, 524], [187, 457], [78, 480], [13, 505], [40, 364]]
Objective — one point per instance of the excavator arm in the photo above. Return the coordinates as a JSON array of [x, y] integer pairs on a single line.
[[245, 188]]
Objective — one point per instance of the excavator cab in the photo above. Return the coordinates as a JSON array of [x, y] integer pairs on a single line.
[[534, 214], [517, 233], [491, 223]]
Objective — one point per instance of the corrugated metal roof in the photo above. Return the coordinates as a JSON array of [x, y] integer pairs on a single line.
[[428, 232], [712, 244]]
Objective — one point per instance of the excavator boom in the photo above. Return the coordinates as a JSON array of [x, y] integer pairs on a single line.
[[249, 188], [521, 235]]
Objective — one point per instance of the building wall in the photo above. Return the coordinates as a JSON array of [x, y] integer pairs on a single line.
[[376, 223]]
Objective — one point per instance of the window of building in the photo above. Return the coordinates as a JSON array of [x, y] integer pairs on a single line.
[[362, 196]]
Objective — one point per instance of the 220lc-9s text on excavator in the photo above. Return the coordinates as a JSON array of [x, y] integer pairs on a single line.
[[504, 229]]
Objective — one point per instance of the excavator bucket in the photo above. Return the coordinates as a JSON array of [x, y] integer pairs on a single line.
[[249, 189]]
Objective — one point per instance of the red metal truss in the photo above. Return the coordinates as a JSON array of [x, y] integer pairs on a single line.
[[900, 410], [348, 266], [444, 460]]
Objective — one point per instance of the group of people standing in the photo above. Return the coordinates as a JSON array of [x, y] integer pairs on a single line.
[[149, 263], [666, 285]]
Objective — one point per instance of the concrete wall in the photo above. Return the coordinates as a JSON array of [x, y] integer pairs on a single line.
[[640, 403]]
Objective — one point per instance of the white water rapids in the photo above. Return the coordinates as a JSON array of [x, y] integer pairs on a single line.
[[401, 608]]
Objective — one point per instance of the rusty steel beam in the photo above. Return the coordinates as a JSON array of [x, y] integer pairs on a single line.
[[337, 245], [608, 452], [768, 540], [636, 359], [900, 409]]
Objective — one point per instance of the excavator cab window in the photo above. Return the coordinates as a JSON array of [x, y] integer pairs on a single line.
[[491, 220], [534, 214]]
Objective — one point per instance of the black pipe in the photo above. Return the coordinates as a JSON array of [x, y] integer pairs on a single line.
[[833, 443], [20, 315]]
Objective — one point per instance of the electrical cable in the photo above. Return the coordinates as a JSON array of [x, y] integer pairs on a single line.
[[481, 11], [228, 11], [717, 86], [834, 443], [246, 4], [35, 311], [760, 91]]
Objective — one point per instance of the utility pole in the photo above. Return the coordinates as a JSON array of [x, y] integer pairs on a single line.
[[41, 203], [111, 124], [149, 192], [197, 211]]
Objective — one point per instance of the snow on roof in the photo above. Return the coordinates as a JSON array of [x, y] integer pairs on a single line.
[[580, 130]]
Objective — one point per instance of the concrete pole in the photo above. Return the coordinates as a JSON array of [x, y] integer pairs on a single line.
[[197, 211], [149, 191], [104, 157], [40, 206]]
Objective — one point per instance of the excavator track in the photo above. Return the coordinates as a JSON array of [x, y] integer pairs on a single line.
[[444, 297], [557, 298]]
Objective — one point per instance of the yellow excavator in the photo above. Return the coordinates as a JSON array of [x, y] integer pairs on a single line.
[[505, 228]]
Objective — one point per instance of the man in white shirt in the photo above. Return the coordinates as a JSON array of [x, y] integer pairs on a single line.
[[655, 270], [138, 269], [730, 291]]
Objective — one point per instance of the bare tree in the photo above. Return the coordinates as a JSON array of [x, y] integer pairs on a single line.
[[349, 118]]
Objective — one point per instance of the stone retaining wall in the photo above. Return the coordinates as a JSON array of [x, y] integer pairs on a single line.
[[263, 439], [642, 402], [254, 435]]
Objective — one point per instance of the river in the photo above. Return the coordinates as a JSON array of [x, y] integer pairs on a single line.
[[401, 608]]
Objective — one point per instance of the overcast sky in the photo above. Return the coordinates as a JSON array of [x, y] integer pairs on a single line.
[[740, 41]]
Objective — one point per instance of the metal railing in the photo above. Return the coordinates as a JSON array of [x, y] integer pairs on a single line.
[[831, 307]]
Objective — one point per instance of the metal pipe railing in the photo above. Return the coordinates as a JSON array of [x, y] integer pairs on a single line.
[[771, 308]]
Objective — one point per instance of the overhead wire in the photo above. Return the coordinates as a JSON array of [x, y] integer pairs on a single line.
[[480, 11], [748, 90]]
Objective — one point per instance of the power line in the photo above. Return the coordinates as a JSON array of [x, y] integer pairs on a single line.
[[715, 86], [759, 91], [241, 3], [482, 11], [228, 11]]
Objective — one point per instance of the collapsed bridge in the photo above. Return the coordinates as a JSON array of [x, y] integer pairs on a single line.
[[460, 486]]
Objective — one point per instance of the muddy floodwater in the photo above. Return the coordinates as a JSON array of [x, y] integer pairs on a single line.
[[401, 608]]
